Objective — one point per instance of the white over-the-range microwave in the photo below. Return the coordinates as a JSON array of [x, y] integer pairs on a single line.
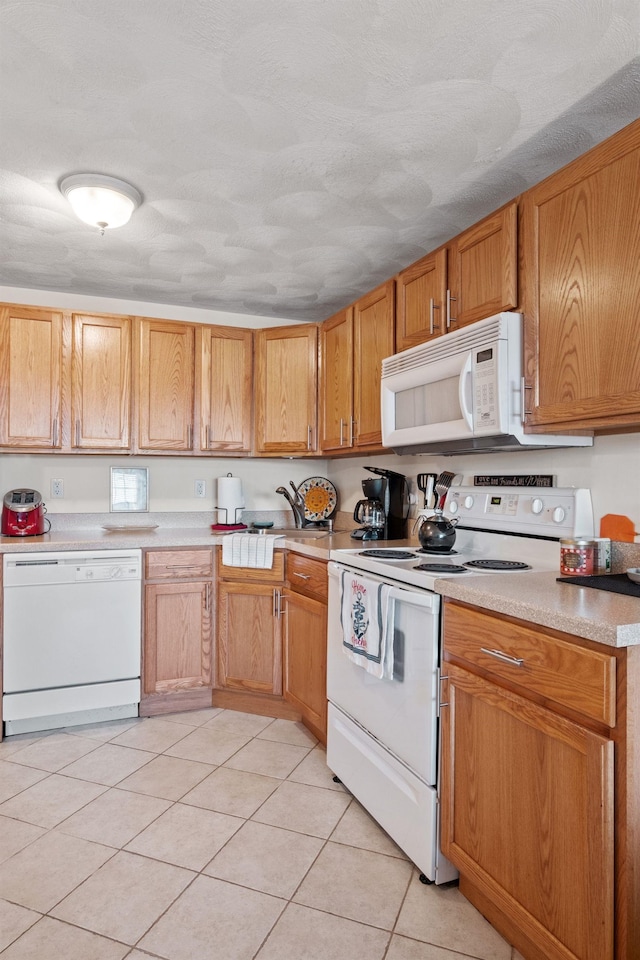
[[462, 393]]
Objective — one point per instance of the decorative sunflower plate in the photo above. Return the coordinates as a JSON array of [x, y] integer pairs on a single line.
[[319, 497]]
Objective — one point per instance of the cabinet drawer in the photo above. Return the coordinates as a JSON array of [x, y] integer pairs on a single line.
[[261, 574], [307, 575], [562, 672], [178, 564]]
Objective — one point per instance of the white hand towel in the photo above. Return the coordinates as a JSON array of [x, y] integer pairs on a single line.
[[367, 631], [248, 550]]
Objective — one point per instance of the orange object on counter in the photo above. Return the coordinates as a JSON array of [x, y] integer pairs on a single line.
[[618, 527]]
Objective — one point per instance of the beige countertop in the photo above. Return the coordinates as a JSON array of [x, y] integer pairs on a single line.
[[608, 618]]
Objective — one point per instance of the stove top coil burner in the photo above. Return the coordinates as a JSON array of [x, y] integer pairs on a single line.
[[499, 565], [381, 554], [442, 567]]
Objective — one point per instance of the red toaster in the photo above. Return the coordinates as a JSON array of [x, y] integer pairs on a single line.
[[23, 513]]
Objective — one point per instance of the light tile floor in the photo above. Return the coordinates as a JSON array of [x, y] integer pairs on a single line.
[[209, 835]]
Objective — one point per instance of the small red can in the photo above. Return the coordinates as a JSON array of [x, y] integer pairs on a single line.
[[577, 557]]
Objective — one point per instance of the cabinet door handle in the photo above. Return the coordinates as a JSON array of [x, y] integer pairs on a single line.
[[55, 432], [440, 702], [524, 386], [303, 576], [450, 319], [431, 308], [341, 429], [278, 609], [352, 431], [207, 598], [208, 438], [504, 657], [309, 436], [77, 433], [189, 436]]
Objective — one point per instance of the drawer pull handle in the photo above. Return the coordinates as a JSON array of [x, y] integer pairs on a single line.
[[499, 655], [303, 576]]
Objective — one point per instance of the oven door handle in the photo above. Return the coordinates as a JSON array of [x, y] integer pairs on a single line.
[[417, 598]]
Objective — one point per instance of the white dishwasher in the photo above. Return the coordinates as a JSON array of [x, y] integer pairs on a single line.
[[72, 638]]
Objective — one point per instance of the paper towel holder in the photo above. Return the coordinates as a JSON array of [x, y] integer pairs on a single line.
[[228, 523]]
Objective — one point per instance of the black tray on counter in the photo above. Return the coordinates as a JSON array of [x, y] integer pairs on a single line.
[[614, 582]]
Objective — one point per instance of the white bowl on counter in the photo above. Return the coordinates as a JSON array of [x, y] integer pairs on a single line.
[[634, 574]]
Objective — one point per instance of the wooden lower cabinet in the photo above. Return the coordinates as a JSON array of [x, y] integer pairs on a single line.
[[249, 638], [536, 812], [177, 658], [305, 641]]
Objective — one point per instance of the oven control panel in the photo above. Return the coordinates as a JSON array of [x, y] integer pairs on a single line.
[[544, 512]]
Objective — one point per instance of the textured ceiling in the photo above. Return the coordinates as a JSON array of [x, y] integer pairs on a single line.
[[291, 153]]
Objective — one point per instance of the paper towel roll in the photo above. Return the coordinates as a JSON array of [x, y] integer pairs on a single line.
[[230, 498]]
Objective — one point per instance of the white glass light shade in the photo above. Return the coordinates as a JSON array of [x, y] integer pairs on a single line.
[[102, 202]]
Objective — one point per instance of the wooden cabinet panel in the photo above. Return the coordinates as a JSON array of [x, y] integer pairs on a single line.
[[30, 377], [286, 389], [421, 292], [178, 564], [528, 815], [581, 679], [336, 381], [373, 318], [226, 358], [249, 638], [100, 382], [582, 235], [166, 386], [305, 659], [483, 269], [177, 649], [307, 575], [275, 574]]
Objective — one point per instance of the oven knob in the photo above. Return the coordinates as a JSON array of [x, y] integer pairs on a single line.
[[559, 514], [537, 506], [468, 502], [453, 506]]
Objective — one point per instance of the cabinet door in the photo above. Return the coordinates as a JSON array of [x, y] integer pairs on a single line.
[[177, 645], [373, 341], [582, 230], [336, 382], [483, 269], [226, 357], [305, 660], [30, 377], [249, 638], [286, 389], [421, 292], [166, 375], [101, 382], [527, 815]]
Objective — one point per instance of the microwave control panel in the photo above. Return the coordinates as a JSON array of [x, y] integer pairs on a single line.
[[485, 379]]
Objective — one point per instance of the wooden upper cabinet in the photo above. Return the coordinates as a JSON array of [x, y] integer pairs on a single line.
[[483, 269], [286, 388], [421, 292], [30, 377], [373, 321], [226, 370], [166, 385], [336, 381], [582, 256], [100, 382]]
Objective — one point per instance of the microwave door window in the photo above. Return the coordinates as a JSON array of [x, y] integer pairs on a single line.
[[428, 404]]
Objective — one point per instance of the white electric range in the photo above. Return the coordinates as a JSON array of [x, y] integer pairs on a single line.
[[383, 731]]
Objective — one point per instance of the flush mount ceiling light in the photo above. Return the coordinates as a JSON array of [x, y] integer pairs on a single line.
[[102, 202]]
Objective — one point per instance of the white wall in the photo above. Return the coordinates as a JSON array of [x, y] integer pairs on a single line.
[[611, 468], [171, 480], [137, 308]]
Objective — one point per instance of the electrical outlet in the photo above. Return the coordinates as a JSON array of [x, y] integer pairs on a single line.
[[57, 489], [201, 488]]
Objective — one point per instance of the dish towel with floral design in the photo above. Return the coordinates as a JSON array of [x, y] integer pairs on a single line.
[[367, 635]]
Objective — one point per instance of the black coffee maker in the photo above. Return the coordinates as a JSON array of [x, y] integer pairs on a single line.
[[383, 513]]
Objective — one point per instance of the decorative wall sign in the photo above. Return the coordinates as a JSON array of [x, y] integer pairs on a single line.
[[514, 480]]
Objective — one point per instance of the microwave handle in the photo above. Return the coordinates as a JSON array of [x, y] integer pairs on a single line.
[[465, 378]]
